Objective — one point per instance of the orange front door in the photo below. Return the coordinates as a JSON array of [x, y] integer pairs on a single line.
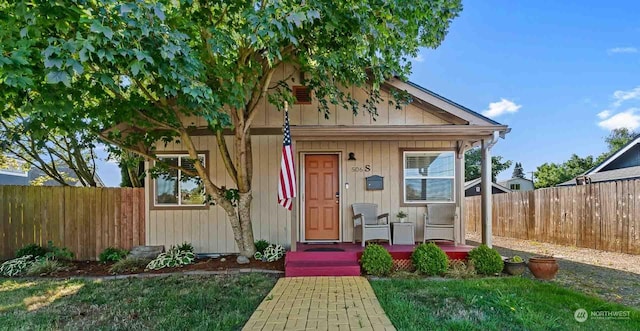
[[322, 202]]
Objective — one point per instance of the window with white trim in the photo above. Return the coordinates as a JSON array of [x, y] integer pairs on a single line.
[[515, 187], [174, 188], [428, 176]]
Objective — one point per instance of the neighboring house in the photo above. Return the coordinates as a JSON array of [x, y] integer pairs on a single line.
[[14, 175], [518, 184], [36, 173], [472, 188], [418, 150], [621, 165]]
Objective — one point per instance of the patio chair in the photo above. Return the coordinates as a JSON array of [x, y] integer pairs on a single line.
[[439, 222], [372, 225]]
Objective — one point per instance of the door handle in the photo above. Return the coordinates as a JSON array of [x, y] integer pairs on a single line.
[[338, 197]]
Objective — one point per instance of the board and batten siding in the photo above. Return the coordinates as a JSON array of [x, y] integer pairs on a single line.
[[209, 230]]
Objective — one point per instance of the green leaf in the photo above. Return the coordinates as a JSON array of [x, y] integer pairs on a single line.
[[55, 77]]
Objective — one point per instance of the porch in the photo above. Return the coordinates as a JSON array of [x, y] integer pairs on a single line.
[[342, 259]]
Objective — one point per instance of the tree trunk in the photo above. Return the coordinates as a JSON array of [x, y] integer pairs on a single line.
[[244, 213]]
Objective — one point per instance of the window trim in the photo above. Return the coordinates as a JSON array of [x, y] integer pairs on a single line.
[[152, 183], [403, 152]]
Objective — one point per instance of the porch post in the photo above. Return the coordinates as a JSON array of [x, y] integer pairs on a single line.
[[459, 182], [485, 191]]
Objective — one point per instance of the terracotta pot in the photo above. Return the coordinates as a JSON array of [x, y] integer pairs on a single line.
[[514, 268], [543, 267]]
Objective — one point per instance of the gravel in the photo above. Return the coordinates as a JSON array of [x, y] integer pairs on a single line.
[[611, 276]]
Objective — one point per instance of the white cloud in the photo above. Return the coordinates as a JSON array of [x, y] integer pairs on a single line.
[[604, 114], [501, 107], [627, 119], [418, 58], [618, 50], [622, 96]]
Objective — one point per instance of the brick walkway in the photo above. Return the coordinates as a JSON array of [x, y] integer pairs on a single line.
[[320, 303]]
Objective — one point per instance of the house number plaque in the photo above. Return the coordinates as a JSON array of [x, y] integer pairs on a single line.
[[366, 168]]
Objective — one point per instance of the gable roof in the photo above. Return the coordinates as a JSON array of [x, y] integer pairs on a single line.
[[477, 181], [609, 176], [614, 156], [444, 104]]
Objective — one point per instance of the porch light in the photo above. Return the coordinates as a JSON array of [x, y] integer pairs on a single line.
[[352, 156]]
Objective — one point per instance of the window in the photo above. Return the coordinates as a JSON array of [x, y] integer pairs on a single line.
[[515, 187], [428, 176], [173, 188], [302, 94]]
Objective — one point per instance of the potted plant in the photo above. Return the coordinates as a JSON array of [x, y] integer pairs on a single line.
[[401, 215], [543, 267], [514, 266]]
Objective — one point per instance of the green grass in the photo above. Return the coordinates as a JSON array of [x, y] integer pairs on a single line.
[[167, 303], [492, 304]]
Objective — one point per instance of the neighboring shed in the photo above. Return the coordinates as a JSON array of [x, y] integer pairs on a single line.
[[621, 165], [472, 188]]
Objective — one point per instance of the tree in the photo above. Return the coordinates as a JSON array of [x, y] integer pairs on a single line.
[[616, 139], [55, 152], [135, 71], [552, 174], [473, 165], [518, 172]]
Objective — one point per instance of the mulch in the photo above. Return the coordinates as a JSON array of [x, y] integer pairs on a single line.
[[96, 269]]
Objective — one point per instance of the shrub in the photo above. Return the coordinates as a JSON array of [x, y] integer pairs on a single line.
[[429, 259], [516, 259], [261, 245], [34, 250], [186, 247], [459, 269], [44, 266], [112, 254], [376, 260], [130, 264], [173, 257], [58, 253], [487, 261], [17, 266]]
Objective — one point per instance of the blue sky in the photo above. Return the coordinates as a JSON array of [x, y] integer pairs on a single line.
[[558, 64]]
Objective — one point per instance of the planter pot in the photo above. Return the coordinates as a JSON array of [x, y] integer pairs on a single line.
[[514, 268], [543, 267]]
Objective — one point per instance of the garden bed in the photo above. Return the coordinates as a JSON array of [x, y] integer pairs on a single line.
[[96, 269]]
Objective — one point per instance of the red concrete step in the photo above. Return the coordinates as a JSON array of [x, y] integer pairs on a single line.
[[321, 268], [321, 256]]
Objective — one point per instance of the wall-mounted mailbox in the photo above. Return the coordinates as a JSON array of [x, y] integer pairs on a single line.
[[375, 182]]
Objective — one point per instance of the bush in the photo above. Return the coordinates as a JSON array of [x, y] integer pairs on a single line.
[[174, 257], [17, 266], [376, 260], [186, 247], [261, 245], [45, 267], [112, 254], [487, 261], [58, 253], [130, 264], [429, 259], [34, 250], [459, 269]]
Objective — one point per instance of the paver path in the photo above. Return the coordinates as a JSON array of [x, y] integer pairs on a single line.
[[320, 303]]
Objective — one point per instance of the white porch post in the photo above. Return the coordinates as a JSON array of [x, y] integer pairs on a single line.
[[485, 191], [460, 235]]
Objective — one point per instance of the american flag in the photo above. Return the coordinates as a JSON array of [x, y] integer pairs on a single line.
[[287, 186]]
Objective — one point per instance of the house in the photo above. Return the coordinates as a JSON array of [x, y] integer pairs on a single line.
[[473, 188], [621, 165], [418, 151], [72, 178], [518, 184], [14, 173]]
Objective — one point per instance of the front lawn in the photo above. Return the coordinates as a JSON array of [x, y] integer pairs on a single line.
[[167, 303], [492, 304]]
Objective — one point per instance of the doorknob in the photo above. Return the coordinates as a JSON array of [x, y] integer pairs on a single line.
[[338, 197]]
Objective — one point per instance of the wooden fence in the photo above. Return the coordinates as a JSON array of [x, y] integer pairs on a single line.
[[86, 220], [604, 216]]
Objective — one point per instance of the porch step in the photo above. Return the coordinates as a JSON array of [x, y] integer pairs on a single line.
[[300, 264]]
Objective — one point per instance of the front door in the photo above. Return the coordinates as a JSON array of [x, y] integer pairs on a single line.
[[322, 197]]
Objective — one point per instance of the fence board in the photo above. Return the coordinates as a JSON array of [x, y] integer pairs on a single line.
[[604, 216], [86, 220]]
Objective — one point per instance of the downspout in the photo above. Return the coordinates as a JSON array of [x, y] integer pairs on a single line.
[[485, 190]]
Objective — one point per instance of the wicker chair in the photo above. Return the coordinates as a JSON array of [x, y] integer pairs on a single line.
[[439, 222], [372, 225]]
